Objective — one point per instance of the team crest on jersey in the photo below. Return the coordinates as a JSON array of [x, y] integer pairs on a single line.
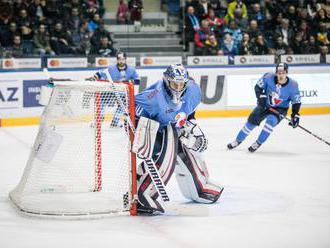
[[275, 99], [180, 119]]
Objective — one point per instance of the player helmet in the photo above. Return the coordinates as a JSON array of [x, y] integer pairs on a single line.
[[176, 79], [282, 66]]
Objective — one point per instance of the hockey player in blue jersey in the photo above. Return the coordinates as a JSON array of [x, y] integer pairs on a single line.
[[276, 91], [120, 72], [179, 141]]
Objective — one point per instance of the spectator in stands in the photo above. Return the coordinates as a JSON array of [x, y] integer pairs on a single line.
[[229, 47], [297, 44], [280, 47], [41, 41], [136, 9], [323, 35], [100, 32], [37, 9], [312, 7], [285, 32], [98, 5], [6, 13], [76, 4], [17, 50], [94, 23], [302, 14], [281, 6], [18, 5], [258, 15], [321, 16], [292, 16], [201, 9], [60, 40], [245, 47], [85, 46], [259, 46], [236, 5], [104, 48], [8, 33], [219, 7], [53, 11], [191, 25], [253, 30], [122, 12], [74, 21], [304, 29], [235, 32], [215, 23], [201, 36], [240, 20], [311, 47], [324, 50], [82, 40], [211, 46], [25, 24], [276, 21]]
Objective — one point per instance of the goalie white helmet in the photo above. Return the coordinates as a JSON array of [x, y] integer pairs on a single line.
[[176, 79]]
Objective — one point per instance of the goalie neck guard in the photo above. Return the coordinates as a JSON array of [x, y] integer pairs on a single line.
[[176, 79]]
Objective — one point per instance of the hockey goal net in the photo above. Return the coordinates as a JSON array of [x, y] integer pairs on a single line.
[[81, 162]]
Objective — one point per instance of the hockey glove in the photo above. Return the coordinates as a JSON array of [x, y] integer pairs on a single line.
[[192, 137], [262, 101], [294, 120]]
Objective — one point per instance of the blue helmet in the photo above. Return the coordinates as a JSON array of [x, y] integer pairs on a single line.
[[176, 79]]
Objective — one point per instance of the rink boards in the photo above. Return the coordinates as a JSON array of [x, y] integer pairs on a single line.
[[227, 91]]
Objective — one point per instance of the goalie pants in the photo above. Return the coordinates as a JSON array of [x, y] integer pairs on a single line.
[[191, 172]]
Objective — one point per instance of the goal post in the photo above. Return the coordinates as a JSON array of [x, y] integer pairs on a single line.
[[81, 163]]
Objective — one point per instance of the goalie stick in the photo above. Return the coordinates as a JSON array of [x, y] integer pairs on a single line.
[[151, 166], [306, 130]]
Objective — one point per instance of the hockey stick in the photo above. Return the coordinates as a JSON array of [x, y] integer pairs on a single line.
[[306, 130], [151, 166]]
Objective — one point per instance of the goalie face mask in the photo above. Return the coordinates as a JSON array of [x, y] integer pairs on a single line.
[[176, 79]]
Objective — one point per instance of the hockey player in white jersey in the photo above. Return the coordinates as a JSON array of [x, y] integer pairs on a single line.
[[179, 142]]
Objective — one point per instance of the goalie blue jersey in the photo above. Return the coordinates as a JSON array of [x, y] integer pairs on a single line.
[[279, 95], [155, 103]]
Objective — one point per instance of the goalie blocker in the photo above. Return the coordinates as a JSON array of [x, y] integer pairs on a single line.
[[173, 153]]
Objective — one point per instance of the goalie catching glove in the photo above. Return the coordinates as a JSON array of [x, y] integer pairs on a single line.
[[192, 137]]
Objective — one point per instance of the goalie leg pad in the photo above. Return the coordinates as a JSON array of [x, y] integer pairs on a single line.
[[164, 155], [193, 178]]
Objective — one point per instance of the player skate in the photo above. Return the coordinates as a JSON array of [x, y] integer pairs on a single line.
[[254, 147], [233, 144]]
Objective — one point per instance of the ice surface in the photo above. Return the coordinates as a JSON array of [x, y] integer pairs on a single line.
[[276, 197]]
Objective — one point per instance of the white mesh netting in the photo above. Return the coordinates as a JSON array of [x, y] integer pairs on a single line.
[[80, 161]]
